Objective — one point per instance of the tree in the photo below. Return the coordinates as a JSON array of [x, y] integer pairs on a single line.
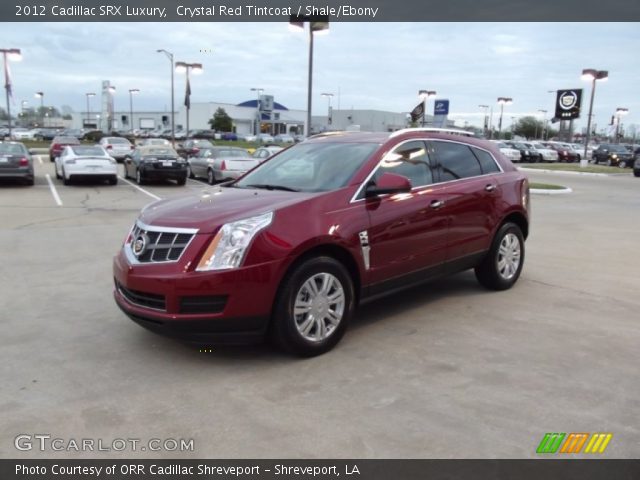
[[221, 121], [529, 127]]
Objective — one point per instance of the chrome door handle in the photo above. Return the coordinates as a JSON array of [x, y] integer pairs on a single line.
[[437, 204], [490, 188]]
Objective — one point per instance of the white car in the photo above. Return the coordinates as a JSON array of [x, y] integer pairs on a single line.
[[23, 134], [511, 153], [546, 154], [250, 137], [263, 153], [265, 138], [86, 161]]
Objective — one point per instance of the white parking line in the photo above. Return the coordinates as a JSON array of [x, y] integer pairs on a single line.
[[141, 189], [54, 192], [40, 159]]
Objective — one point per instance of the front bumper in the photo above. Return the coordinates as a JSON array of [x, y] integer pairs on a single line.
[[228, 306]]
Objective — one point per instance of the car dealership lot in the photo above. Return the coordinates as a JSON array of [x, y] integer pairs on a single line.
[[447, 369]]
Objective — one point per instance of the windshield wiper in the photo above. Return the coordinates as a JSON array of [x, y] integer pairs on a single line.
[[267, 186]]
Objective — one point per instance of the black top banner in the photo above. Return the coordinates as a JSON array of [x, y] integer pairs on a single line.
[[336, 10]]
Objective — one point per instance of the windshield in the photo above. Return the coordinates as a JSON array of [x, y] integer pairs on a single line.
[[311, 167], [150, 152], [618, 149]]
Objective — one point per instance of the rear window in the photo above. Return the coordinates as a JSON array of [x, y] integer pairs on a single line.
[[118, 140], [12, 149], [456, 161], [67, 140], [88, 150]]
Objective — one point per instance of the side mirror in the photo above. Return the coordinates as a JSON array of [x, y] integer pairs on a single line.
[[388, 183]]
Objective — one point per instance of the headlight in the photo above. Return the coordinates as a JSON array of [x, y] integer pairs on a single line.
[[229, 246], [614, 156]]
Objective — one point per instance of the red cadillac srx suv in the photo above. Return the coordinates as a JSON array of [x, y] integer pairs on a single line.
[[290, 249]]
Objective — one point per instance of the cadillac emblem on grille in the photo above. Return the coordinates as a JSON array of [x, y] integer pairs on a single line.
[[140, 244]]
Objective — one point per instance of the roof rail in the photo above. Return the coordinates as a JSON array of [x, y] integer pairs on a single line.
[[330, 133], [451, 131]]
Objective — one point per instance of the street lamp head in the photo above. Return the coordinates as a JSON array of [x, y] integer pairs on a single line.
[[112, 89], [14, 54], [622, 111], [181, 67], [90, 94], [505, 100], [134, 90], [424, 94], [326, 94], [259, 90], [196, 68], [590, 74], [39, 94]]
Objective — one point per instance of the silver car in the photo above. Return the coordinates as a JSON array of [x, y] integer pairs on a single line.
[[221, 163], [116, 147]]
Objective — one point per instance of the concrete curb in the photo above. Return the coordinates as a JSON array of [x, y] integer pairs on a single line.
[[589, 174], [544, 191]]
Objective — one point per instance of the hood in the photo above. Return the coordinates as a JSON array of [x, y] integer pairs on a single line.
[[211, 207]]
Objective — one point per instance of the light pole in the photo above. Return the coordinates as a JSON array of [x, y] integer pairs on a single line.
[[485, 128], [297, 23], [256, 129], [23, 104], [132, 91], [110, 109], [15, 55], [40, 95], [593, 75], [424, 95], [328, 97], [544, 125], [89, 95], [173, 113], [196, 68], [620, 111], [502, 101]]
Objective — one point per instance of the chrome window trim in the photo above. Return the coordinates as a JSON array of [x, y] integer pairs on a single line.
[[355, 199]]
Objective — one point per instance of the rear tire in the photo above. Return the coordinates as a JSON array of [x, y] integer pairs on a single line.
[[211, 178], [65, 180], [113, 180], [313, 307], [182, 181], [139, 178], [501, 267]]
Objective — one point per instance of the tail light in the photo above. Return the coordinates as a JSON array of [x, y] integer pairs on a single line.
[[223, 166], [109, 147], [24, 162], [195, 150], [133, 147]]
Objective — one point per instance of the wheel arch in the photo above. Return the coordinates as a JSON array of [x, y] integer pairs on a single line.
[[520, 220]]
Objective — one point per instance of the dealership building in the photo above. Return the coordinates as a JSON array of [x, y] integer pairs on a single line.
[[273, 117]]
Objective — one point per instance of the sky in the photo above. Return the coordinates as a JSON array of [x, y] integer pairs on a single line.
[[378, 66]]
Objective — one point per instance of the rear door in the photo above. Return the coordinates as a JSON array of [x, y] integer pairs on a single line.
[[470, 179]]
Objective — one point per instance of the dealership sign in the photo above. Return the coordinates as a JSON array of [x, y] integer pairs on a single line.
[[568, 104]]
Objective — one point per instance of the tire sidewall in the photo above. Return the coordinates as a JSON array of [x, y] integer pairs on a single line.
[[283, 322]]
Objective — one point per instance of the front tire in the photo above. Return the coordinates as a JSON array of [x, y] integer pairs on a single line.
[[501, 267], [313, 307], [622, 163], [211, 179], [139, 178]]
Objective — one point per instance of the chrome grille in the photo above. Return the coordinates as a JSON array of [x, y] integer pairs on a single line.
[[162, 244]]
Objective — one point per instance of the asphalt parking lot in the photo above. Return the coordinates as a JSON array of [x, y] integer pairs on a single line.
[[445, 370]]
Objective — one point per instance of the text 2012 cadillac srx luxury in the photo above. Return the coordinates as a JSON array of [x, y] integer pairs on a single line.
[[291, 248]]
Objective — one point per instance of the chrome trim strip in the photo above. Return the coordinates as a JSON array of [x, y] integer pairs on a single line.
[[366, 249], [153, 228]]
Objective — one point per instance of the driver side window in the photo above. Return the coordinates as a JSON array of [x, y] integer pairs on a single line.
[[409, 160]]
